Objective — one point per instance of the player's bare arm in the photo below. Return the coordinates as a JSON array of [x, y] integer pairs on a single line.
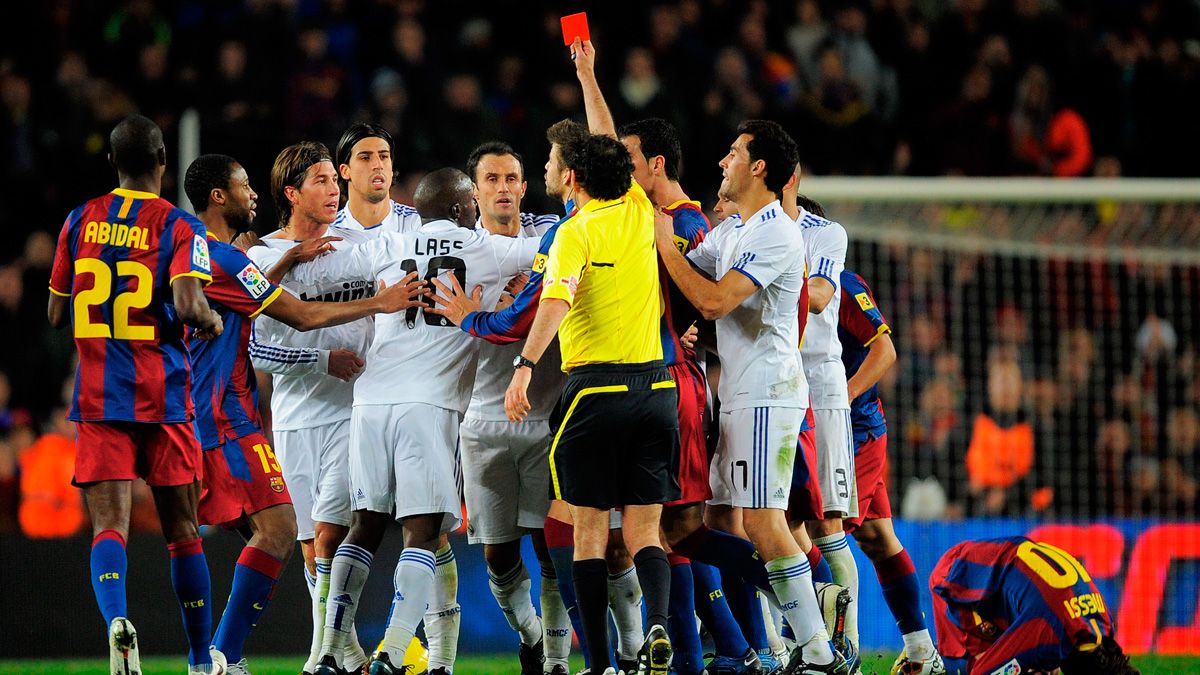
[[820, 292], [600, 120], [880, 356], [192, 308], [305, 251], [545, 326], [453, 303], [713, 299], [305, 316], [58, 310]]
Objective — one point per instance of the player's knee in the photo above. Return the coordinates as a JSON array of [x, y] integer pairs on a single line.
[[501, 558]]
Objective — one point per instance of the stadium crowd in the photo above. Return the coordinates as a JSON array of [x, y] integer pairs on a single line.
[[1076, 369]]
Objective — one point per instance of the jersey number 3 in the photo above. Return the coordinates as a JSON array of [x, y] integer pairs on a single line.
[[437, 265], [100, 292]]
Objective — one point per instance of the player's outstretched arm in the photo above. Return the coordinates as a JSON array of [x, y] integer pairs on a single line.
[[277, 359], [305, 316], [600, 120], [192, 307], [712, 299]]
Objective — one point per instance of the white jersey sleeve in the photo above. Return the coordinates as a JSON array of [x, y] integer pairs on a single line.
[[826, 242], [821, 351], [763, 255], [704, 257], [278, 359], [361, 261]]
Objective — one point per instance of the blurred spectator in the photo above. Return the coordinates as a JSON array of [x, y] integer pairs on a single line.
[[316, 90], [1048, 140], [1181, 469], [1000, 454], [51, 507], [970, 134], [804, 38], [641, 93], [462, 108]]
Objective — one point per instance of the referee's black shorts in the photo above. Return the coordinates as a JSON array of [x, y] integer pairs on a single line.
[[616, 437]]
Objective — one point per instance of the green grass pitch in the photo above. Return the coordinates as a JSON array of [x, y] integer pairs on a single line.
[[874, 664]]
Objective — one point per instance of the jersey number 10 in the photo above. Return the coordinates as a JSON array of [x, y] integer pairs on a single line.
[[123, 304], [437, 265]]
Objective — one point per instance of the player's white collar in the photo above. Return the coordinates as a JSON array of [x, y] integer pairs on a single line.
[[768, 212], [347, 220]]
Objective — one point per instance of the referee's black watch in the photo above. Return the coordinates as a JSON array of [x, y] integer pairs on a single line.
[[522, 362]]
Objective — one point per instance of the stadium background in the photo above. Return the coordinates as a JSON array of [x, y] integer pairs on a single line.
[[1052, 323]]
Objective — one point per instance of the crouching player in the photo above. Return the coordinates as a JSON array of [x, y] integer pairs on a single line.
[[1012, 605]]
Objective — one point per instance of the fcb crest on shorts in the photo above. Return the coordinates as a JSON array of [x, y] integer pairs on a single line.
[[277, 483]]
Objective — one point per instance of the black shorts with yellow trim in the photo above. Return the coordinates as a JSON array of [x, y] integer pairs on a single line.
[[616, 437]]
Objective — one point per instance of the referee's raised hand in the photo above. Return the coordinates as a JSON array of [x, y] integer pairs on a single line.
[[584, 56]]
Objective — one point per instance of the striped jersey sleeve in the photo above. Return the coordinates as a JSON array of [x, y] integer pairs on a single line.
[[512, 323]]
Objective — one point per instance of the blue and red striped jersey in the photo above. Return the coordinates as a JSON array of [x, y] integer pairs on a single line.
[[117, 256], [860, 323], [691, 226], [513, 322], [226, 390], [1001, 601]]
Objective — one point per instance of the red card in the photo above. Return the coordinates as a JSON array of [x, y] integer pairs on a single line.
[[575, 26]]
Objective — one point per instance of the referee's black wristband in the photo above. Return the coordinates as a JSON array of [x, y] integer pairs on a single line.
[[522, 362]]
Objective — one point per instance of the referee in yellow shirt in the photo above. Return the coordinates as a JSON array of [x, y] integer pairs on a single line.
[[616, 431]]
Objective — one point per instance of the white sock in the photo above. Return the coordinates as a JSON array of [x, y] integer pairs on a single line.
[[512, 592], [353, 656], [318, 613], [347, 576], [625, 602], [556, 624], [771, 616], [918, 646], [414, 585], [836, 549], [791, 578], [443, 615]]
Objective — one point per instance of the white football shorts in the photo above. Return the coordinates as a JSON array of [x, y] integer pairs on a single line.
[[404, 461], [315, 463], [752, 467]]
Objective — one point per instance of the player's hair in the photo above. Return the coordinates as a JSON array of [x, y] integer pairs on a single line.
[[357, 132], [809, 204], [499, 148], [439, 191], [137, 146], [1106, 659], [657, 137], [566, 132], [205, 174], [601, 165], [291, 165], [770, 143]]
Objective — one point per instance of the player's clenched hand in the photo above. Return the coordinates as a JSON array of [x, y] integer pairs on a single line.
[[407, 292], [212, 330], [516, 399], [688, 339], [312, 249], [344, 364], [454, 304], [516, 284]]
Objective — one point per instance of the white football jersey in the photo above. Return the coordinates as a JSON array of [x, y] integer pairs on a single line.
[[757, 340], [821, 350], [416, 356], [401, 218], [494, 371], [303, 398]]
